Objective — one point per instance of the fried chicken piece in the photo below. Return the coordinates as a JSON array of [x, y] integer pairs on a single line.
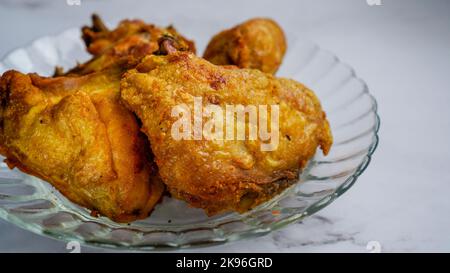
[[74, 133], [130, 40], [257, 43], [223, 175]]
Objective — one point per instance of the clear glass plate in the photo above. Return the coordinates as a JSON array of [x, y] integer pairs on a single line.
[[36, 206]]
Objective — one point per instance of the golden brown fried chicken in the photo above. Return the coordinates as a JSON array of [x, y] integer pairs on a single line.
[[257, 43], [130, 41], [74, 133], [222, 174]]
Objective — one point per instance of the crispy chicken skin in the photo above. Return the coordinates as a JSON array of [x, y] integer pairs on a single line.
[[257, 43], [131, 40], [74, 133], [223, 175]]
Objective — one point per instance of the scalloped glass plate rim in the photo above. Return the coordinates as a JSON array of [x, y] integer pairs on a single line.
[[257, 230]]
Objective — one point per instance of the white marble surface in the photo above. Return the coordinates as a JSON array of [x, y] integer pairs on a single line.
[[402, 50]]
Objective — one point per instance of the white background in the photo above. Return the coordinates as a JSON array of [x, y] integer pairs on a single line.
[[401, 49]]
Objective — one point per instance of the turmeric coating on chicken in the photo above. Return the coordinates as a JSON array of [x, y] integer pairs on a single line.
[[131, 40], [223, 175], [257, 43], [79, 130], [74, 133]]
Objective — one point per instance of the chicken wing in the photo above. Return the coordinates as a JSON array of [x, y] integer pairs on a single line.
[[130, 41], [74, 133], [219, 174], [257, 43]]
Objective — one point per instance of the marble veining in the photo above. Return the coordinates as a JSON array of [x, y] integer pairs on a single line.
[[399, 48]]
